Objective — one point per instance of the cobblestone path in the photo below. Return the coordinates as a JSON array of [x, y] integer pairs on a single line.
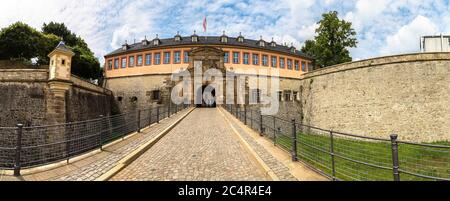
[[201, 147], [90, 172]]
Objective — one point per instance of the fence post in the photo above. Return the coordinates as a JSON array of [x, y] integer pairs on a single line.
[[157, 114], [332, 156], [17, 164], [278, 131], [168, 110], [150, 116], [294, 141], [251, 119], [139, 121], [261, 127], [395, 164], [101, 132], [275, 130], [245, 114], [68, 135]]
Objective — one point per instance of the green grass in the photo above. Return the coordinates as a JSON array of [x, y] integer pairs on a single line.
[[417, 159]]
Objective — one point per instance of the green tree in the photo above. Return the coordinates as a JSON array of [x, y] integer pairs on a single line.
[[47, 43], [19, 41], [85, 64], [334, 37]]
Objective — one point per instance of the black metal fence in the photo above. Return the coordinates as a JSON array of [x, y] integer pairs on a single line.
[[343, 156], [22, 147]]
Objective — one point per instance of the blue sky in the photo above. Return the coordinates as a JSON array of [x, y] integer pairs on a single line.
[[384, 27]]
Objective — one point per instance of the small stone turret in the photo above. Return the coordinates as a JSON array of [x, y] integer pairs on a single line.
[[60, 62]]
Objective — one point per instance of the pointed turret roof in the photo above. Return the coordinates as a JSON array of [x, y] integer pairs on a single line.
[[62, 48]]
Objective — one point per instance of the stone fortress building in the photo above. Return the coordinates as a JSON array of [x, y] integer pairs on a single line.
[[403, 94], [140, 74]]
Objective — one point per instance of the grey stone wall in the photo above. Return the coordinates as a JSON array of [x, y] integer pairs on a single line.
[[406, 94], [26, 98], [22, 96], [139, 87]]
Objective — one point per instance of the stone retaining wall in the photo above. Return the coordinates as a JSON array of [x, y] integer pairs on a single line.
[[408, 95]]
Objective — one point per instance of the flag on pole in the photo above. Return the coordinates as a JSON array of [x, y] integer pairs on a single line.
[[204, 24]]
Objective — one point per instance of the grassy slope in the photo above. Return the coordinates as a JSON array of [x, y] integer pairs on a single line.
[[416, 159]]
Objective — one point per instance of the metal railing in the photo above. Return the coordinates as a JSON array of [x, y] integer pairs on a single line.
[[25, 147], [344, 156]]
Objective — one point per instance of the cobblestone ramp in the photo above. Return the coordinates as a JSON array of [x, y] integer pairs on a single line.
[[200, 148]]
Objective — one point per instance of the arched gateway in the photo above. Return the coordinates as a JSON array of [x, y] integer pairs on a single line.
[[208, 77]]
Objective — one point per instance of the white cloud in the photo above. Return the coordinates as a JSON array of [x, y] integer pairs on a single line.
[[407, 37], [383, 26], [366, 11]]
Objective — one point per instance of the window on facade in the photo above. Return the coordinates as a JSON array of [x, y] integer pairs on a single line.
[[148, 59], [226, 57], [166, 57], [116, 63], [297, 65], [295, 96], [63, 62], [282, 62], [124, 62], [110, 64], [131, 61], [274, 61], [280, 96], [156, 94], [287, 96], [236, 57], [265, 60], [157, 59], [309, 66], [289, 64], [256, 96], [303, 66], [246, 58], [139, 60], [177, 57], [255, 59], [186, 57]]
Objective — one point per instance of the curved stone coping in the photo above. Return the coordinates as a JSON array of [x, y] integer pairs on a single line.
[[21, 75], [79, 82], [392, 59]]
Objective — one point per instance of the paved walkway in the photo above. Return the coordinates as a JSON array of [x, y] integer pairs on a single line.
[[201, 147], [278, 160]]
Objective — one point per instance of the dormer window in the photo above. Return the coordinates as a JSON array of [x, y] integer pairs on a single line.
[[273, 43], [177, 37], [292, 48], [145, 41], [240, 38], [224, 38], [261, 42], [125, 46], [156, 41], [194, 38]]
